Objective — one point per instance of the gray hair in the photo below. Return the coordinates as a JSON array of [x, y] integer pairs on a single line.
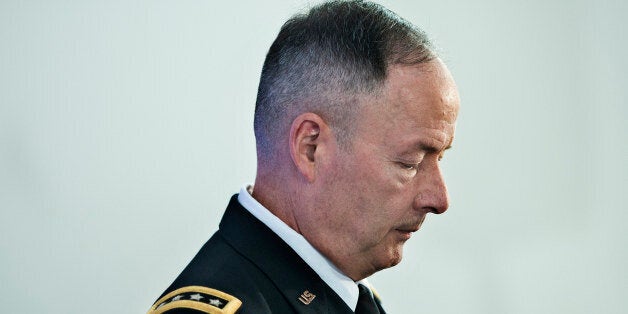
[[326, 61]]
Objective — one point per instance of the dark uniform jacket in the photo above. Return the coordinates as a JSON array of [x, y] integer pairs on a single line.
[[246, 268]]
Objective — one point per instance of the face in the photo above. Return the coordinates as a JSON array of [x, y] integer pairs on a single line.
[[376, 194]]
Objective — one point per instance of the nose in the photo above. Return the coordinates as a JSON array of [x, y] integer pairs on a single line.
[[432, 196]]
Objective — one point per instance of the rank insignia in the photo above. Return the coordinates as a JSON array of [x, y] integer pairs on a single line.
[[201, 299]]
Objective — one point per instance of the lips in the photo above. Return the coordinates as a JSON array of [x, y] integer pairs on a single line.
[[405, 234], [408, 229], [411, 226]]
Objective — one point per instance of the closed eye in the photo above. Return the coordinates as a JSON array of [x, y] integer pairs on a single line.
[[409, 166]]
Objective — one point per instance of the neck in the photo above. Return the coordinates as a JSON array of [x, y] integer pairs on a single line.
[[273, 196]]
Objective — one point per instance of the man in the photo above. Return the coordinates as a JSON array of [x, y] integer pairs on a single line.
[[354, 112]]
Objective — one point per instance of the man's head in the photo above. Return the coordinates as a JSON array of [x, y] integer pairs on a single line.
[[327, 62], [354, 112]]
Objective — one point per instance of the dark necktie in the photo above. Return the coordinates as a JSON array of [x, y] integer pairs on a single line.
[[366, 303]]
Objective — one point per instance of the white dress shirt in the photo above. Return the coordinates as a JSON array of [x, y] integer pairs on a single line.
[[344, 286]]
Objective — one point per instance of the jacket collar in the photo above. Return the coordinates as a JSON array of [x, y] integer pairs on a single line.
[[299, 284]]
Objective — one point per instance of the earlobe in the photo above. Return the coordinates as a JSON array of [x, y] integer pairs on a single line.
[[305, 139]]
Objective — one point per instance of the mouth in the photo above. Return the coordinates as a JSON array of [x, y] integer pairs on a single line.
[[409, 229], [406, 232]]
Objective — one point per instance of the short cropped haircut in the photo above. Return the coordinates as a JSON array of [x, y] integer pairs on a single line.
[[326, 60]]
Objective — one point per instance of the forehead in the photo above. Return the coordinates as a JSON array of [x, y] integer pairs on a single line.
[[417, 101], [426, 89]]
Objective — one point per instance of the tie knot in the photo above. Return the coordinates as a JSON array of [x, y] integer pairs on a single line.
[[363, 289], [366, 303]]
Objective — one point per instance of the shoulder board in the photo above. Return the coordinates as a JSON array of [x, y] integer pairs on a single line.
[[197, 298]]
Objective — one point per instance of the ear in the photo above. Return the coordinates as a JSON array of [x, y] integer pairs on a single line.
[[308, 134]]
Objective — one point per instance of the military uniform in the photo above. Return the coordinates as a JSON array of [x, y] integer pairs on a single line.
[[246, 268]]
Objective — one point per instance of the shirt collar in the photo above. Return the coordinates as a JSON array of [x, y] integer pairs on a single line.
[[344, 286]]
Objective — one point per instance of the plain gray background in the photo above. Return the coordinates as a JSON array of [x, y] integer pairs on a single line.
[[125, 126]]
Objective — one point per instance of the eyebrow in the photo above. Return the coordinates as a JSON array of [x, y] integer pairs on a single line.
[[430, 148]]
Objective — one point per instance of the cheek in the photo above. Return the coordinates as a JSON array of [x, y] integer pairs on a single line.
[[371, 192], [388, 189]]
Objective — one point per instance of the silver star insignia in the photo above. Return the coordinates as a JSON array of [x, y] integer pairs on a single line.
[[177, 298], [196, 297], [215, 302]]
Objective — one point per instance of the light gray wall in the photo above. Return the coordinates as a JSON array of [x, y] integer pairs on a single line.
[[126, 125]]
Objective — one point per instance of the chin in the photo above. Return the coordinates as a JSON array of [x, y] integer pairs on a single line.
[[395, 261], [393, 258]]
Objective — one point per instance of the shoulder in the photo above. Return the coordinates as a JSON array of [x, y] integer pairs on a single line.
[[196, 299], [218, 272]]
